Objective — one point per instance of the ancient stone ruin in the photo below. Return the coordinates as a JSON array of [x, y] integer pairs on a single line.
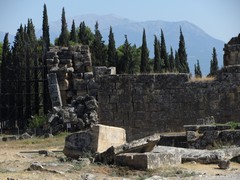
[[143, 105], [232, 52]]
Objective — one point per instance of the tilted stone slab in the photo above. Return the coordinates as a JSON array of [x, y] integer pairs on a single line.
[[138, 146], [95, 140], [148, 161]]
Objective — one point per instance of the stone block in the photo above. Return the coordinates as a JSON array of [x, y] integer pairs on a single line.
[[148, 161], [96, 140], [79, 84], [190, 127], [203, 128], [191, 135]]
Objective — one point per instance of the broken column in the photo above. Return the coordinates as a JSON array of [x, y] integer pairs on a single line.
[[54, 90]]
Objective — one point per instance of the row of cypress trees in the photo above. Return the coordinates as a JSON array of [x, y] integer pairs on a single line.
[[24, 89], [127, 58]]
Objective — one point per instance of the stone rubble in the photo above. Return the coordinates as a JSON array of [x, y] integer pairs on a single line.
[[81, 115]]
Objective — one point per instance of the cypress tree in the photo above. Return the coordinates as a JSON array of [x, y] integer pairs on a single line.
[[213, 64], [45, 48], [197, 70], [73, 35], [126, 57], [63, 38], [98, 49], [177, 62], [5, 78], [184, 68], [157, 58], [111, 49], [85, 35], [144, 66], [163, 52], [19, 75], [45, 29], [171, 61]]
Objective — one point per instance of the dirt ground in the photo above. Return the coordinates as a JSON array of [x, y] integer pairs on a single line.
[[17, 156]]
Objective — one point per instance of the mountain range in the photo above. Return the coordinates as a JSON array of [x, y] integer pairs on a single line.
[[199, 45]]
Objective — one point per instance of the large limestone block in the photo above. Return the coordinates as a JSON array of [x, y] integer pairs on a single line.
[[95, 140], [148, 161]]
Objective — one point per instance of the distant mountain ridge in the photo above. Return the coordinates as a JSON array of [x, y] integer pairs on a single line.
[[199, 44]]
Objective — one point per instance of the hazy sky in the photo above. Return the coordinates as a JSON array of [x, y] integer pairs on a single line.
[[219, 18]]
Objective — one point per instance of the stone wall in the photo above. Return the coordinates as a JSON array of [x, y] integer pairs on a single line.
[[232, 52], [146, 104]]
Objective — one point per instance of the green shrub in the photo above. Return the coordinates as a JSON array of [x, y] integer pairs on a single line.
[[37, 122], [233, 124]]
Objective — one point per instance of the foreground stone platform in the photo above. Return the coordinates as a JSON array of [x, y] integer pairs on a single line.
[[200, 156], [148, 161]]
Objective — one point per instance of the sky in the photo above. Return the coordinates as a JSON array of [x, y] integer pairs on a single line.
[[218, 18]]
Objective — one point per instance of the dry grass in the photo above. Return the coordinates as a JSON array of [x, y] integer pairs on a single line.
[[203, 79]]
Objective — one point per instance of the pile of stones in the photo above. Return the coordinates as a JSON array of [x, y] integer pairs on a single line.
[[80, 115]]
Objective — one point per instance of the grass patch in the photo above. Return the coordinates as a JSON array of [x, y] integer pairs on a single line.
[[203, 79]]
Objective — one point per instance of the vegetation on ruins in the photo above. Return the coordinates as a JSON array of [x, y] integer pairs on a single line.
[[163, 52], [85, 35], [213, 64], [157, 67], [144, 66], [197, 70], [182, 54], [45, 29], [63, 39], [24, 86], [98, 49], [73, 33], [112, 52]]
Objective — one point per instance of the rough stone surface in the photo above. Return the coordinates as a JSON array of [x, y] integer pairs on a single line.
[[9, 138], [201, 156], [95, 140], [153, 103], [138, 146], [232, 51], [148, 161], [80, 115], [224, 164]]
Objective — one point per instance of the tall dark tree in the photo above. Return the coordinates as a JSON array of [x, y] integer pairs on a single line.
[[99, 53], [144, 66], [73, 33], [123, 66], [157, 57], [197, 70], [63, 39], [111, 49], [29, 48], [163, 52], [45, 48], [85, 35], [5, 78], [171, 61], [45, 29], [19, 64], [213, 64], [134, 64], [177, 62], [184, 68]]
